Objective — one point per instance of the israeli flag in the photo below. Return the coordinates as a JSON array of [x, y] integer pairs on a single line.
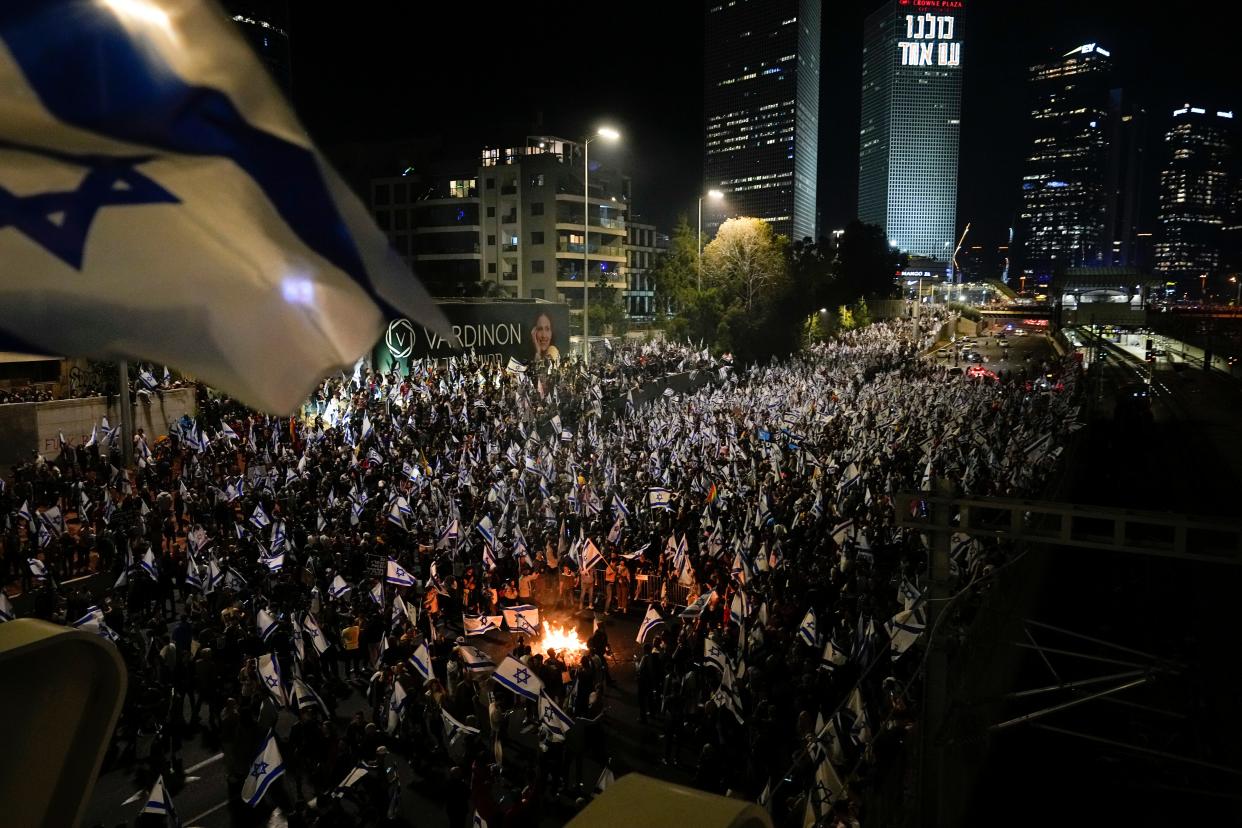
[[159, 802], [650, 621], [397, 575], [265, 623], [487, 530], [339, 589], [522, 618], [266, 769], [311, 627], [489, 557], [448, 533], [396, 517], [591, 557], [480, 624], [619, 507], [904, 628], [421, 660], [151, 129], [259, 518], [553, 722], [659, 498], [304, 697], [807, 630], [269, 674], [275, 563], [519, 678], [474, 659], [149, 565]]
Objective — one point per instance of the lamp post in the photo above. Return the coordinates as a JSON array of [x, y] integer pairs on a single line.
[[1237, 299], [611, 135], [714, 195]]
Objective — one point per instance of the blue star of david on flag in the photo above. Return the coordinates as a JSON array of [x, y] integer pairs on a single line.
[[60, 221]]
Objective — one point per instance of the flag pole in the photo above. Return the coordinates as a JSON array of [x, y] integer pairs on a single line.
[[127, 415]]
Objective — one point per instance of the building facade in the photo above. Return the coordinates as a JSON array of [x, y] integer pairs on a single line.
[[1067, 204], [512, 225], [761, 110], [1196, 195], [909, 134], [643, 245]]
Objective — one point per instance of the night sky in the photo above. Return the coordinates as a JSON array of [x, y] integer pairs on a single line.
[[386, 70]]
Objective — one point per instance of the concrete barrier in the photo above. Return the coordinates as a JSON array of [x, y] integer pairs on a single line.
[[37, 426]]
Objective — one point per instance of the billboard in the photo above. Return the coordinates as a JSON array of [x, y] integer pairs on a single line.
[[523, 330]]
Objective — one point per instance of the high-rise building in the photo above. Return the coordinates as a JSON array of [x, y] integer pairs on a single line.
[[264, 25], [1196, 195], [761, 110], [1125, 210], [1067, 204], [911, 120], [642, 246], [512, 223]]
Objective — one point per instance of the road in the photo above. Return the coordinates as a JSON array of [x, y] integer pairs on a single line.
[[201, 799], [1186, 460]]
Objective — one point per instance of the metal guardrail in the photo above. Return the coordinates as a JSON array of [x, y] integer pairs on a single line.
[[1085, 527]]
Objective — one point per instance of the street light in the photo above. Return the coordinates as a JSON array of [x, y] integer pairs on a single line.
[[610, 134], [714, 195], [1203, 287], [1238, 299]]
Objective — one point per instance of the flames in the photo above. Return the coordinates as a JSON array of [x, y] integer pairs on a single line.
[[564, 640]]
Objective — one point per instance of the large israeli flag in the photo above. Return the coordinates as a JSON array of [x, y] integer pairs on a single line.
[[161, 201]]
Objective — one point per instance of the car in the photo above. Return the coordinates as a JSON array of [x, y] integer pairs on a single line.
[[973, 356], [1001, 336], [1004, 343], [943, 353], [1159, 352], [979, 372]]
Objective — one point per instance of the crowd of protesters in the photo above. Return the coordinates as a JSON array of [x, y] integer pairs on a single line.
[[751, 520]]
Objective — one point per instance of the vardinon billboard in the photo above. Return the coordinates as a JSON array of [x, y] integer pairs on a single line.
[[526, 330]]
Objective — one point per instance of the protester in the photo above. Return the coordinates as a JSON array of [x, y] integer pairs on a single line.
[[748, 514]]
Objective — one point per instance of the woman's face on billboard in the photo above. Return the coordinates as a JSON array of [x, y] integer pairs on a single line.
[[542, 332]]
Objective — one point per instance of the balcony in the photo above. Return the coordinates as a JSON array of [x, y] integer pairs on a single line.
[[509, 189], [569, 222], [509, 218], [509, 248], [509, 275], [595, 250]]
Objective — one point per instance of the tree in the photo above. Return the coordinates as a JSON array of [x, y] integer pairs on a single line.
[[865, 265], [607, 309], [845, 319], [675, 272], [862, 314], [746, 262]]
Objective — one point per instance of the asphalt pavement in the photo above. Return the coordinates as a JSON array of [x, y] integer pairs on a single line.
[[201, 796]]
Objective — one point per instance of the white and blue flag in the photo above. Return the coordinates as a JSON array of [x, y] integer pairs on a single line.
[[265, 623], [553, 722], [269, 674], [421, 660], [807, 630], [523, 618], [338, 588], [519, 678], [651, 620], [165, 203], [264, 770], [397, 575], [159, 803], [659, 498]]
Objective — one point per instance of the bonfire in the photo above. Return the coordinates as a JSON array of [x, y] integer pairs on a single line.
[[564, 640]]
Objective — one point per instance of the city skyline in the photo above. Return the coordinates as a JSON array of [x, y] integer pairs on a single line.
[[413, 81]]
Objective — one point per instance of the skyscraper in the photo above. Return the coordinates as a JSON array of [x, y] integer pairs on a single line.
[[1066, 199], [1195, 194], [911, 119], [761, 110]]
